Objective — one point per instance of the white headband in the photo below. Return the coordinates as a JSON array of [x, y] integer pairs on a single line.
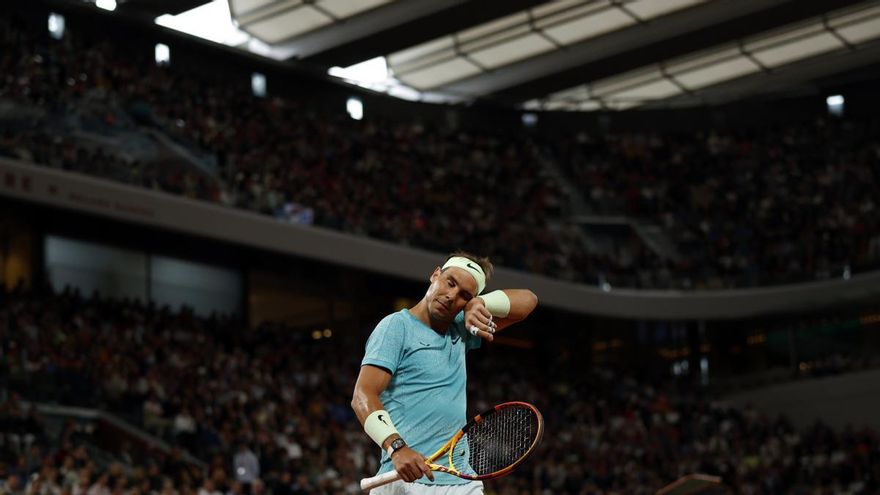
[[471, 267]]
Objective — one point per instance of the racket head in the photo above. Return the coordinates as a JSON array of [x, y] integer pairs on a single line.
[[496, 441], [692, 483]]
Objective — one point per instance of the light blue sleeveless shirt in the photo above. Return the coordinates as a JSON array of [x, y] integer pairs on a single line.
[[426, 396]]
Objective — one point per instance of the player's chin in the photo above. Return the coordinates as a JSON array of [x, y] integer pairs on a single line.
[[441, 311], [442, 315]]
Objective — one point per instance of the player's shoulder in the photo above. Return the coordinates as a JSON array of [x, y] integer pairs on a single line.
[[394, 322]]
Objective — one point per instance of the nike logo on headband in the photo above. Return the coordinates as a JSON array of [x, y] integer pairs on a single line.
[[472, 267]]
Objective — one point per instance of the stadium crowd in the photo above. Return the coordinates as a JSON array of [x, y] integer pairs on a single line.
[[760, 205], [742, 209], [245, 402]]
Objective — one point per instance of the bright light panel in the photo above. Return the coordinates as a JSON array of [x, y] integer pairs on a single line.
[[370, 71], [106, 4], [355, 108], [835, 104], [56, 26], [258, 84], [163, 54], [211, 21]]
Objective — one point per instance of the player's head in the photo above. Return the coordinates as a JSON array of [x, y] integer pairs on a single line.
[[478, 267], [462, 277]]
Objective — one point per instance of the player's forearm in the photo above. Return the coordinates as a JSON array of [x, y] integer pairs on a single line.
[[522, 303], [364, 404]]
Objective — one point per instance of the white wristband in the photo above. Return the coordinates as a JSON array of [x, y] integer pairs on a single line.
[[497, 303], [379, 427]]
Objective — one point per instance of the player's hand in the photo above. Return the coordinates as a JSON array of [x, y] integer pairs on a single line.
[[478, 319], [411, 465]]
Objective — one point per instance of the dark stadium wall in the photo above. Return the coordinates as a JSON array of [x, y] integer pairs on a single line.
[[17, 247], [308, 296], [841, 401], [302, 293]]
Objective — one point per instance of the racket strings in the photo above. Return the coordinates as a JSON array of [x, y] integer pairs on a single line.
[[501, 439]]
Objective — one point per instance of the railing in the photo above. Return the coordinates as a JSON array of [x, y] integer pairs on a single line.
[[110, 432]]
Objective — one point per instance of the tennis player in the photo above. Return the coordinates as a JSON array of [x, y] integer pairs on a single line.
[[410, 395]]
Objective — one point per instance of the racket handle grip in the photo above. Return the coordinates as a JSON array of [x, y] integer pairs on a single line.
[[377, 481]]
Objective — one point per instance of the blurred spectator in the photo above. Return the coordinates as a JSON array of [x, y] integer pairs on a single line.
[[613, 431], [246, 467], [751, 207]]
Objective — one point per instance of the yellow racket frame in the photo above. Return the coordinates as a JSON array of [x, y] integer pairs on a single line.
[[389, 477]]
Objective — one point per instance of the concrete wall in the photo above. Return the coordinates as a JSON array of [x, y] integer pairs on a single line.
[[91, 195], [838, 400]]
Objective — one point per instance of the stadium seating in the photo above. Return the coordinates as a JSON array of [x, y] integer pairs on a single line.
[[756, 207], [208, 386]]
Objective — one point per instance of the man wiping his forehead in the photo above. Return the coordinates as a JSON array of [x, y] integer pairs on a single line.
[[497, 303], [411, 391]]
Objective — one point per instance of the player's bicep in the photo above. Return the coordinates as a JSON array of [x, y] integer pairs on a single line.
[[371, 381]]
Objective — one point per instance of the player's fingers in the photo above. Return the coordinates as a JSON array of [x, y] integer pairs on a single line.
[[489, 326], [404, 475], [483, 334], [484, 321], [478, 319], [412, 473], [427, 471], [485, 313]]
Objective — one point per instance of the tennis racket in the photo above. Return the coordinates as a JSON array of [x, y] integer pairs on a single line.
[[494, 443], [692, 483]]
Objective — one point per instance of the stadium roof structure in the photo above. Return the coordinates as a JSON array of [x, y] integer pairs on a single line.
[[577, 55]]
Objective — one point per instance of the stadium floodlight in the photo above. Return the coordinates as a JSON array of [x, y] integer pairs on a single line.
[[258, 84], [704, 370], [163, 54], [106, 4], [355, 108], [56, 26], [373, 70], [835, 104], [529, 119], [211, 21]]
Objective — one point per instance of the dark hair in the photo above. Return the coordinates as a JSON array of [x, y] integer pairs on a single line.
[[483, 261]]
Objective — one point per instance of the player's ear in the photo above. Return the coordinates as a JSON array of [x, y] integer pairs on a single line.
[[435, 274]]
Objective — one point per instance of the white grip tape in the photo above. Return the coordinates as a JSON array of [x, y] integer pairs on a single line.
[[377, 481]]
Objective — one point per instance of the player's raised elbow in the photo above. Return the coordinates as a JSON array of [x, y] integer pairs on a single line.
[[531, 301], [522, 303]]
